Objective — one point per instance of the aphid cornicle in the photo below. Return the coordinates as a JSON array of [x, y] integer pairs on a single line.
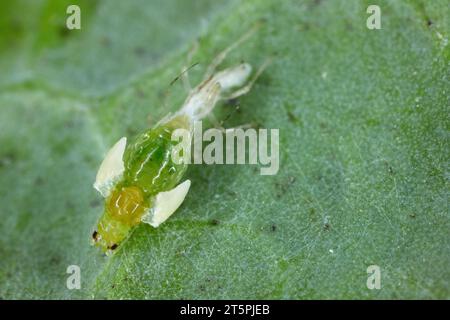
[[139, 180]]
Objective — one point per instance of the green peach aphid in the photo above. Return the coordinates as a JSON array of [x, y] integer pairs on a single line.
[[139, 180]]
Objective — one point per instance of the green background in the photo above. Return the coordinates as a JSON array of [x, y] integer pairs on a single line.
[[363, 120]]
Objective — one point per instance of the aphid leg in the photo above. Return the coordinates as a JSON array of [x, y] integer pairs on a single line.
[[217, 124], [242, 126], [187, 66], [222, 55], [245, 89]]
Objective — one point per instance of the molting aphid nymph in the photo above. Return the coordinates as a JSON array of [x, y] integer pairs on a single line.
[[139, 179]]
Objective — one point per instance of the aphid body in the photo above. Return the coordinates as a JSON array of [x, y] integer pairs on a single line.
[[139, 180]]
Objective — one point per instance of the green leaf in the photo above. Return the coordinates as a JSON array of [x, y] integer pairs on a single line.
[[363, 120]]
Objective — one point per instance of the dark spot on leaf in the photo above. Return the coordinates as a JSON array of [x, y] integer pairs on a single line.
[[55, 260], [64, 31], [131, 131], [70, 205], [292, 117], [232, 193], [232, 102], [372, 122], [257, 125], [113, 247], [326, 226], [7, 159], [140, 93], [312, 214], [284, 185], [105, 41], [348, 25], [69, 124], [302, 26], [273, 228], [139, 51], [16, 25], [215, 222], [162, 95], [95, 203], [23, 221], [39, 181], [429, 22], [412, 215], [389, 168]]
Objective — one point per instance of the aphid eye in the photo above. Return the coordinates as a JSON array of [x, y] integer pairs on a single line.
[[113, 247], [94, 235]]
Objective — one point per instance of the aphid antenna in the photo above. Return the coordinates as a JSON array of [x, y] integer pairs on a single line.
[[221, 56], [236, 108], [183, 73]]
